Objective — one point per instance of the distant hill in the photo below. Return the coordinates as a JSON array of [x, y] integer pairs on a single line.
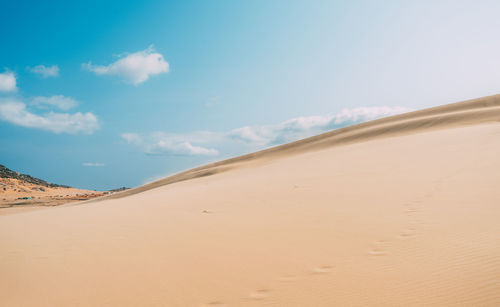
[[119, 189], [7, 173]]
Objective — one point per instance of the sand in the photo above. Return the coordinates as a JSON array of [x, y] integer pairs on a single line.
[[401, 211], [13, 190]]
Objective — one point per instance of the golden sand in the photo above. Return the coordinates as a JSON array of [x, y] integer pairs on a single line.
[[402, 211]]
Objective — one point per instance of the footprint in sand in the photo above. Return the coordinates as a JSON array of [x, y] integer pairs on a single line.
[[379, 249], [408, 233], [375, 252], [411, 210], [214, 303], [324, 269], [259, 294]]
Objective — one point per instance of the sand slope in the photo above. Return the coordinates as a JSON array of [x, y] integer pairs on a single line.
[[402, 211]]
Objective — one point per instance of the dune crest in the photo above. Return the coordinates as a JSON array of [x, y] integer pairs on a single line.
[[401, 211], [470, 112]]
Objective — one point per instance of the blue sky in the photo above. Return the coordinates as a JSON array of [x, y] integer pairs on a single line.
[[102, 94]]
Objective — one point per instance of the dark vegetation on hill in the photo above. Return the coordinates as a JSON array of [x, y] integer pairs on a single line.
[[7, 173], [119, 189]]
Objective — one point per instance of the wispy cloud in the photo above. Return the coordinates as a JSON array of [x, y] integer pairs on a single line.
[[7, 82], [254, 137], [132, 138], [135, 67], [15, 112], [58, 101], [301, 127], [172, 144], [45, 71], [166, 146], [93, 164]]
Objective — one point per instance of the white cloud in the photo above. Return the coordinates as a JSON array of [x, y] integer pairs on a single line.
[[254, 137], [173, 144], [132, 138], [45, 71], [93, 164], [59, 101], [301, 127], [7, 82], [134, 67], [15, 112], [182, 149]]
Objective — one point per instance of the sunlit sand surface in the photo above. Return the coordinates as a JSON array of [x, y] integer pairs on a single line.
[[402, 211]]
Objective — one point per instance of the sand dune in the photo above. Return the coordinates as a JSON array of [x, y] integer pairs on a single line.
[[476, 111], [402, 211]]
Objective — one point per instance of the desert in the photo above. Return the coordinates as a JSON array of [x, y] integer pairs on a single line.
[[400, 211]]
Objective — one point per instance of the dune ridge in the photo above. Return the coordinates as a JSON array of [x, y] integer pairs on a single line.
[[404, 213], [474, 111]]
